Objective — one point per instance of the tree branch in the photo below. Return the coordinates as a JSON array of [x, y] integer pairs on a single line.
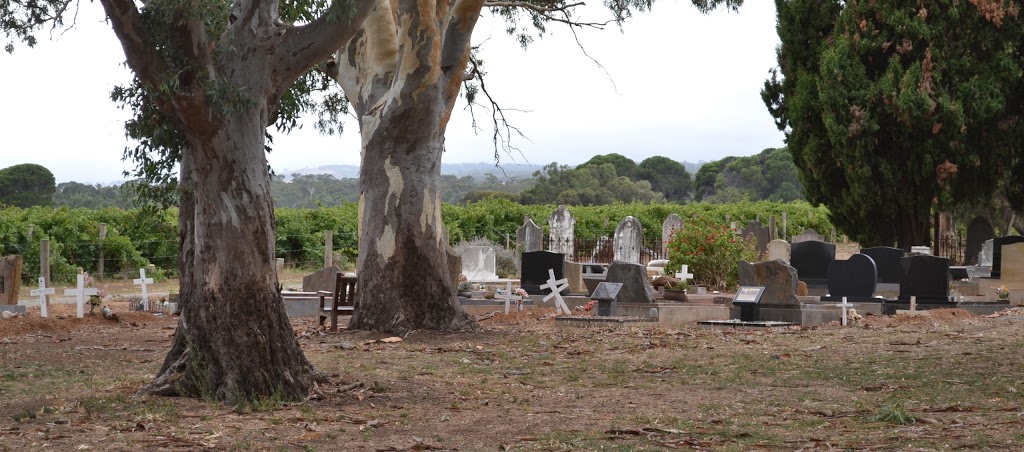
[[531, 6], [502, 141], [139, 47], [302, 47]]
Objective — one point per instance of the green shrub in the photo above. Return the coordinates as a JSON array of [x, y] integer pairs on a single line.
[[711, 251]]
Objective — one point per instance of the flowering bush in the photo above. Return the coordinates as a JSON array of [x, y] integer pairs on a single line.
[[711, 251]]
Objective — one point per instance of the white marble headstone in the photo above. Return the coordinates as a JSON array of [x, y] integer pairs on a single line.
[[779, 249], [629, 239], [478, 263], [562, 225], [985, 256]]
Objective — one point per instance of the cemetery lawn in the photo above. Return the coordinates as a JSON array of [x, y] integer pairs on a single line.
[[522, 383]]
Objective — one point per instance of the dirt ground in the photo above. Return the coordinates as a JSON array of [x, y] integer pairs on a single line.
[[949, 381]]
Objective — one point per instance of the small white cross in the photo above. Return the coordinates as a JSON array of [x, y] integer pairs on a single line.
[[508, 296], [80, 294], [913, 304], [845, 306], [42, 292], [683, 275], [556, 287], [142, 281]]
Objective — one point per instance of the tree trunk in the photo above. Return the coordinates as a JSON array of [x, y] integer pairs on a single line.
[[913, 228], [234, 341], [404, 283]]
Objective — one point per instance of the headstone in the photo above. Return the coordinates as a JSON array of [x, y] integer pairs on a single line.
[[684, 273], [925, 277], [562, 225], [10, 279], [478, 263], [80, 293], [143, 281], [760, 235], [322, 279], [629, 240], [978, 232], [671, 224], [855, 277], [636, 288], [921, 250], [811, 260], [887, 262], [529, 237], [593, 274], [986, 254], [778, 279], [778, 249], [809, 235], [535, 270], [997, 252], [556, 286], [606, 295], [42, 292], [574, 273]]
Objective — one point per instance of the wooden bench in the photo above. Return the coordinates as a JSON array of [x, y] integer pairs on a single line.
[[343, 300]]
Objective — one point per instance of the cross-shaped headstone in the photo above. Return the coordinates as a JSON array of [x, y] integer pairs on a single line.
[[508, 296], [845, 306], [142, 281], [42, 292], [80, 294], [683, 275], [556, 287], [913, 304]]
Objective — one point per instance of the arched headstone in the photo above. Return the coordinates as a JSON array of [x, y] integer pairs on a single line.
[[629, 239], [562, 225], [529, 237]]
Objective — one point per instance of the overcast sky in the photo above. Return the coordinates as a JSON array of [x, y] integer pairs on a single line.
[[678, 84]]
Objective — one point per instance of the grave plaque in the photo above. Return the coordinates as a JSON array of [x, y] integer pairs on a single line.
[[535, 270], [10, 279], [925, 277], [629, 239], [811, 260], [478, 263], [887, 262], [606, 293], [778, 249], [748, 294], [778, 279], [978, 232], [855, 277], [997, 252], [322, 279]]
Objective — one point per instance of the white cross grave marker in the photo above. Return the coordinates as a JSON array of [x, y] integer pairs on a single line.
[[556, 287], [508, 296], [42, 292], [142, 281], [80, 294], [683, 275], [845, 306]]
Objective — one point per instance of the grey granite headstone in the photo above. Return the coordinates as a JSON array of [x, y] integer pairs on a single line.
[[978, 232], [807, 236], [606, 294], [322, 279], [10, 279], [562, 225], [778, 249], [778, 279], [671, 224], [530, 237], [635, 286], [629, 240], [478, 263], [855, 277]]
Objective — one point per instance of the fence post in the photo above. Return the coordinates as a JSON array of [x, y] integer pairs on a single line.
[[784, 236], [103, 236], [328, 248], [31, 229], [772, 232], [44, 265]]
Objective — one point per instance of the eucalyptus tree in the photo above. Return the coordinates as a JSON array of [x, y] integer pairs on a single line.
[[212, 76], [402, 75], [893, 109]]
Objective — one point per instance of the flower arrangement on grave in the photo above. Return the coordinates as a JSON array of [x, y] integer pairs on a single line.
[[711, 251], [95, 300], [1003, 293], [521, 292], [590, 305]]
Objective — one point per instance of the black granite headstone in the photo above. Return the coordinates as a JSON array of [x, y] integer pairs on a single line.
[[855, 277], [997, 252], [978, 231], [887, 262], [606, 293], [535, 270], [811, 260], [926, 277]]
